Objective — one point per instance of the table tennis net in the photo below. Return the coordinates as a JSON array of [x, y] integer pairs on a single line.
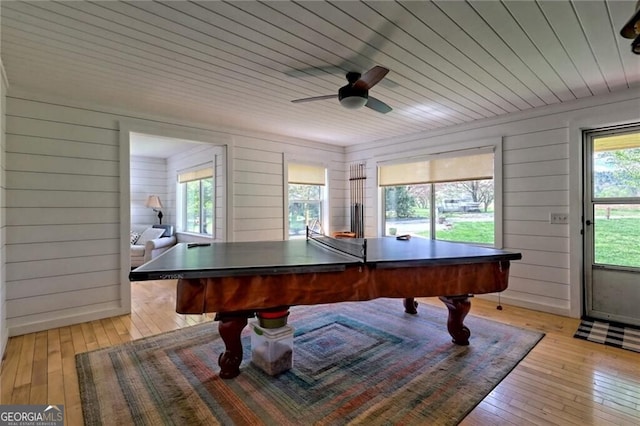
[[356, 247]]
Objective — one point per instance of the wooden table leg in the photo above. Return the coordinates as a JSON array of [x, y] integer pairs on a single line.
[[410, 306], [459, 307], [230, 328]]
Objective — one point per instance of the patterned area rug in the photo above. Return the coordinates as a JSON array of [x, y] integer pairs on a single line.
[[366, 362], [609, 333]]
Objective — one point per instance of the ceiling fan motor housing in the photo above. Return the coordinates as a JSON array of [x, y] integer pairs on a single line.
[[353, 97]]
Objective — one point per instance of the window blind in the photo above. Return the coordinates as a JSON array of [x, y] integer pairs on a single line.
[[618, 142], [189, 176], [306, 174], [447, 169]]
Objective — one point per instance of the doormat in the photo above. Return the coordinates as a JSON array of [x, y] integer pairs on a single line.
[[623, 336]]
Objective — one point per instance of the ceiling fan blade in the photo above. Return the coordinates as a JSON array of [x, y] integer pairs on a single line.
[[371, 77], [329, 70], [377, 105], [315, 98]]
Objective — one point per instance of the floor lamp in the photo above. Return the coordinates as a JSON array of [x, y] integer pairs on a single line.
[[154, 202]]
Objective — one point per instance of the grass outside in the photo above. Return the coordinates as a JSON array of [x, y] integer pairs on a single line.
[[616, 232], [617, 239], [472, 232]]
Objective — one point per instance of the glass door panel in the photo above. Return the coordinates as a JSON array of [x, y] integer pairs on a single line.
[[616, 229], [612, 225]]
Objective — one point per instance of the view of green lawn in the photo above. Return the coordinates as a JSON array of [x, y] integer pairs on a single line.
[[478, 232], [617, 241], [616, 231]]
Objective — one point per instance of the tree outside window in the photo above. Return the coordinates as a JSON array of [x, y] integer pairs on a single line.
[[306, 188], [447, 197], [616, 198], [305, 206], [196, 197], [198, 205], [463, 211]]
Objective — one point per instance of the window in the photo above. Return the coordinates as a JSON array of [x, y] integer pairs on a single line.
[[407, 209], [615, 199], [446, 198], [197, 195], [306, 194]]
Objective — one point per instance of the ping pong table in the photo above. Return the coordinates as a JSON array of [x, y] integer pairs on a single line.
[[239, 279]]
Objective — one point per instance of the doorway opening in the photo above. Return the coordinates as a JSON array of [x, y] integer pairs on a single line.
[[151, 160]]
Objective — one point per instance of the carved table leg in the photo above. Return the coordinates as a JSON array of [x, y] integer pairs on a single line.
[[459, 307], [410, 306], [230, 328]]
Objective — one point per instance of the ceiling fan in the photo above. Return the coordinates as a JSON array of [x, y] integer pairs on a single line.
[[356, 93]]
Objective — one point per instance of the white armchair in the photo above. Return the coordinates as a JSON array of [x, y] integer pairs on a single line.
[[150, 242]]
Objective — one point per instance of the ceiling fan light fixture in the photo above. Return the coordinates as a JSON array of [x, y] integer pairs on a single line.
[[351, 96], [353, 102], [635, 46], [632, 28]]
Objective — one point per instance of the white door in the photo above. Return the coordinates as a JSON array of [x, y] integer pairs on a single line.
[[612, 224]]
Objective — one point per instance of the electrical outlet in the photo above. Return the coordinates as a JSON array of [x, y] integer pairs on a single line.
[[559, 218]]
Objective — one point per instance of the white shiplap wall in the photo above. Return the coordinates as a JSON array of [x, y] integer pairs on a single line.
[[541, 175], [62, 221], [148, 176], [4, 331], [63, 203], [259, 194], [536, 183]]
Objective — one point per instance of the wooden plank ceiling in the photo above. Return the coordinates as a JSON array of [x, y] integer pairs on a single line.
[[239, 64]]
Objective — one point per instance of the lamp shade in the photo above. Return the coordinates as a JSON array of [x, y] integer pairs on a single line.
[[154, 202]]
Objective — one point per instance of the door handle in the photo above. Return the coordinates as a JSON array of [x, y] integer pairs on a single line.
[[588, 222]]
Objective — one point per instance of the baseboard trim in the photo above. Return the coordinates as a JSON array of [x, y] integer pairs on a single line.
[[33, 327], [556, 310]]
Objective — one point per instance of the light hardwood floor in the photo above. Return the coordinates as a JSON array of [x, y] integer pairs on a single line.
[[561, 381]]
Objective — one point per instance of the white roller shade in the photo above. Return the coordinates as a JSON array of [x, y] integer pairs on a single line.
[[618, 142], [404, 174], [447, 169], [192, 175], [306, 174]]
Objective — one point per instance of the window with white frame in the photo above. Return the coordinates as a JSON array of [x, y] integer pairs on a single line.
[[197, 195], [449, 197], [306, 197]]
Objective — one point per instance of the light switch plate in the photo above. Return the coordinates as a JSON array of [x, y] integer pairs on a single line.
[[559, 218]]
